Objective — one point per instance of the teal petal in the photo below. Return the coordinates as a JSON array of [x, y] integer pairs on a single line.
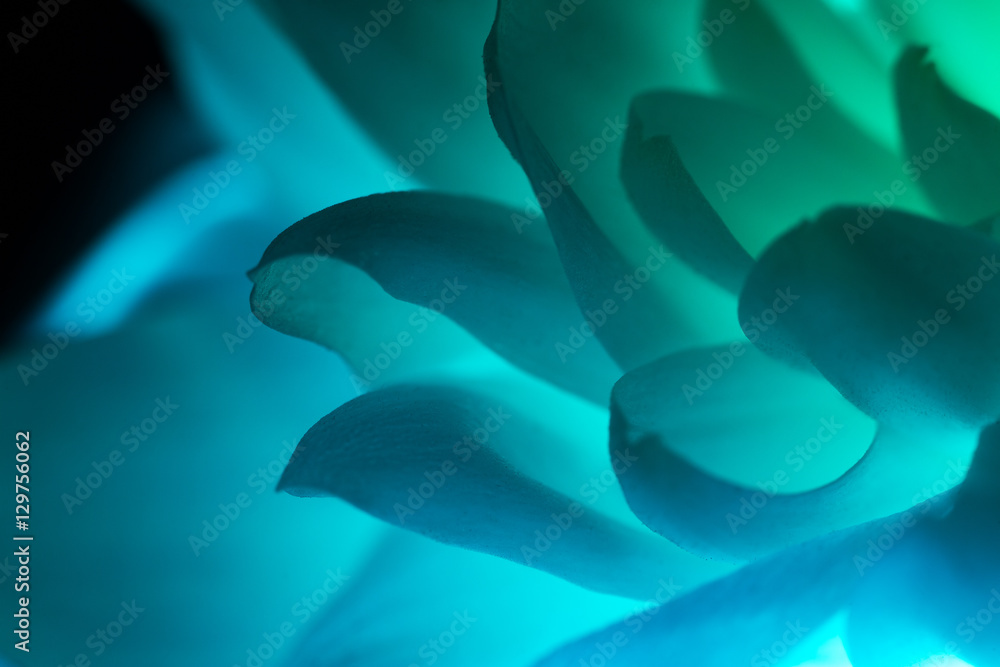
[[417, 601], [800, 591], [751, 56], [901, 314], [772, 439], [633, 330], [760, 171], [454, 256], [675, 210], [414, 456], [953, 146]]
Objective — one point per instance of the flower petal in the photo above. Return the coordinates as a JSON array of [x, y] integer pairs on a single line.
[[415, 598], [954, 144], [633, 330], [428, 55], [769, 438], [936, 590], [414, 455], [751, 56], [900, 313], [451, 255], [763, 171], [675, 210], [797, 593]]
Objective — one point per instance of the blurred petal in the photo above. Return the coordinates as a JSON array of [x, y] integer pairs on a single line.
[[468, 605], [859, 71], [936, 591], [142, 530], [572, 70], [762, 172], [675, 210], [954, 146], [751, 56], [632, 331], [456, 256], [413, 456], [901, 314], [794, 595], [428, 54], [962, 34]]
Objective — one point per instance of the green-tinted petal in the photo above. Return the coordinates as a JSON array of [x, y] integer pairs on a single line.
[[900, 313], [425, 458], [952, 146], [457, 257]]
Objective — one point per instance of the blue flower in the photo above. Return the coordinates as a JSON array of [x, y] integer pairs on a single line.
[[872, 326]]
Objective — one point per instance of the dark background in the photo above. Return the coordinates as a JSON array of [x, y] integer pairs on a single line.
[[59, 84]]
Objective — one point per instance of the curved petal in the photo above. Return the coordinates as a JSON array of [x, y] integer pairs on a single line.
[[900, 313], [571, 71], [788, 599], [468, 606], [938, 591], [954, 146], [751, 56], [800, 425], [962, 33], [675, 210], [633, 330], [763, 171], [450, 255], [861, 69], [142, 434], [415, 456], [428, 54]]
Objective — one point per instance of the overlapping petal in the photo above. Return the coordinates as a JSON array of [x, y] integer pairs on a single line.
[[453, 257], [900, 313], [727, 489], [426, 458], [952, 146]]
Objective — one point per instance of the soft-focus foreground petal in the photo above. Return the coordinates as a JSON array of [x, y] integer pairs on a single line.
[[953, 145], [675, 210], [935, 590], [415, 456], [633, 330], [155, 452], [773, 426], [763, 171], [764, 610], [448, 255], [419, 602], [426, 54], [900, 313]]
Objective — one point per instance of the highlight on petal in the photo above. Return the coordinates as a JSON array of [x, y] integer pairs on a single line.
[[763, 170], [858, 71], [417, 456], [773, 438], [634, 324], [676, 211], [935, 590], [953, 146], [417, 600], [452, 256], [751, 56], [793, 599], [900, 313]]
